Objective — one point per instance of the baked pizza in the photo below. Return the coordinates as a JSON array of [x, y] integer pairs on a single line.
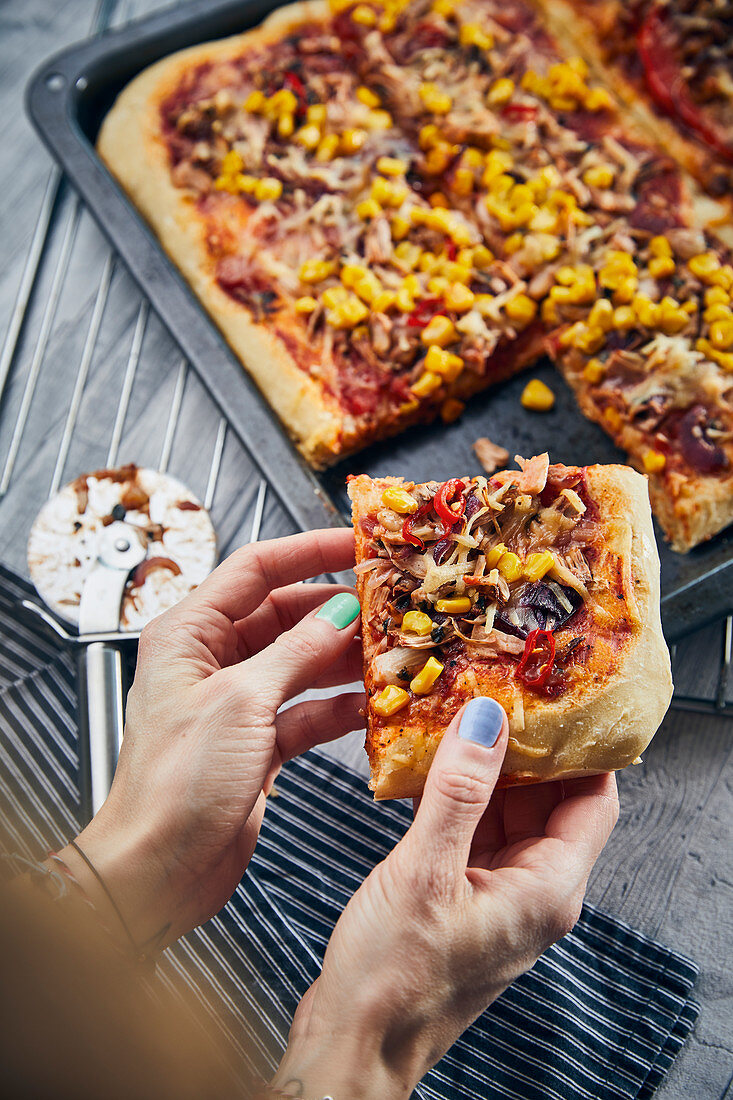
[[671, 62], [538, 587], [389, 206]]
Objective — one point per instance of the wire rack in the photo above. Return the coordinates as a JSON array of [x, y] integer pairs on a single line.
[[89, 378]]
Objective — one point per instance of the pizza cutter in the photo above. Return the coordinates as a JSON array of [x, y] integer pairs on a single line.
[[107, 553]]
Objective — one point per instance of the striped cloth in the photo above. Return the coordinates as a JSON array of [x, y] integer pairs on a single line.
[[602, 1014]]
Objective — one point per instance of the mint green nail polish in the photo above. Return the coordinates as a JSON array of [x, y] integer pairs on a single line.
[[340, 610]]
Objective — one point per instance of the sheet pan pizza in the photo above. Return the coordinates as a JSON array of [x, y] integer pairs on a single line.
[[388, 206], [538, 587]]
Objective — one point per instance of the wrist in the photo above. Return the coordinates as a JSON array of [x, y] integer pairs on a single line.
[[130, 891], [342, 1067]]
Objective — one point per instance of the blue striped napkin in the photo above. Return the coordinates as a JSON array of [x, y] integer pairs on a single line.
[[602, 1014]]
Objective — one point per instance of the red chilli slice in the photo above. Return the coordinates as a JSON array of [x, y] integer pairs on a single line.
[[537, 660], [667, 85]]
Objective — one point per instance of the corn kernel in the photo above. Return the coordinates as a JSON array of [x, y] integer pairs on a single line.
[[364, 15], [601, 176], [510, 566], [426, 677], [439, 330], [417, 622], [598, 99], [438, 200], [660, 267], [390, 700], [399, 500], [548, 312], [309, 136], [368, 288], [306, 304], [613, 418], [521, 309], [285, 126], [451, 409], [428, 136], [724, 359], [315, 271], [537, 565], [625, 290], [721, 334], [455, 605], [715, 295], [594, 371], [408, 254], [383, 301], [493, 555], [660, 246], [471, 34], [379, 120], [537, 396], [717, 312], [723, 277], [438, 157], [367, 209], [645, 310], [624, 318], [404, 301], [433, 100], [400, 227], [368, 97], [601, 315], [353, 140], [316, 114], [446, 8], [438, 285], [255, 102], [500, 92], [392, 166], [462, 183], [412, 285], [283, 102], [459, 298], [482, 257], [654, 461], [704, 265], [444, 363], [327, 148], [426, 384], [268, 189], [232, 163]]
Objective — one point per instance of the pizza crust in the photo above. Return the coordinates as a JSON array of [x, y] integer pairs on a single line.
[[585, 732], [132, 147]]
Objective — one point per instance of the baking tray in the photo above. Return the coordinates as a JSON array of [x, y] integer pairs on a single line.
[[68, 97]]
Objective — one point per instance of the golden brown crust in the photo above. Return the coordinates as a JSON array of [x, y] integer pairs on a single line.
[[133, 148], [608, 716]]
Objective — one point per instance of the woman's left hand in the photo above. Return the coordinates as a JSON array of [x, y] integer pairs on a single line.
[[205, 737]]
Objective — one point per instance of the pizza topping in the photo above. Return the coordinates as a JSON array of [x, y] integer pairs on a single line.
[[490, 455], [535, 667]]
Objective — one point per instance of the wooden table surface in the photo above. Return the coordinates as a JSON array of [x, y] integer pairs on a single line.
[[668, 868]]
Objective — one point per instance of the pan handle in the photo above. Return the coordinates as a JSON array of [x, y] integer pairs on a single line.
[[100, 721]]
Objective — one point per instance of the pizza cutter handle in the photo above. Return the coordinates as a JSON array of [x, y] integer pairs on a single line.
[[100, 721]]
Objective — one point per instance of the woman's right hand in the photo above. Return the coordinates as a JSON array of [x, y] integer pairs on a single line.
[[466, 902]]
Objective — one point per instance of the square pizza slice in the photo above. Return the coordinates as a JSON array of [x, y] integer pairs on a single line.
[[538, 587]]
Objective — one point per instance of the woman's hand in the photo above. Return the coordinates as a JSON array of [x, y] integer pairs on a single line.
[[203, 736], [466, 902]]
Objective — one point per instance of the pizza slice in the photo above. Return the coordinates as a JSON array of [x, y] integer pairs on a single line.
[[538, 587], [669, 61]]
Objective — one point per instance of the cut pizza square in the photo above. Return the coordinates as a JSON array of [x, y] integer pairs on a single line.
[[538, 587]]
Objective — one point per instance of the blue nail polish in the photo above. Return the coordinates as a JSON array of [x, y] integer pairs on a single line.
[[481, 722]]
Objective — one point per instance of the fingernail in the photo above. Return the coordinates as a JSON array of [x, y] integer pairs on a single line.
[[340, 610], [481, 722]]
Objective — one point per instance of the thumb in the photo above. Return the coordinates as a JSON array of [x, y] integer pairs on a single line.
[[461, 782]]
